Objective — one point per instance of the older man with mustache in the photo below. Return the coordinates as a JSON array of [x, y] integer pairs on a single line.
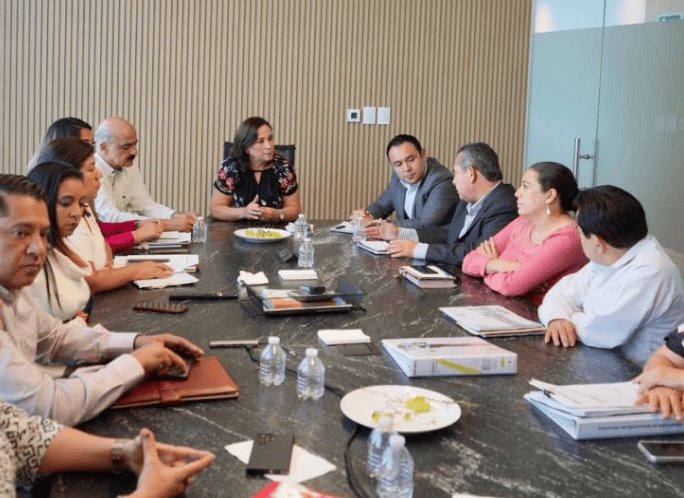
[[123, 195]]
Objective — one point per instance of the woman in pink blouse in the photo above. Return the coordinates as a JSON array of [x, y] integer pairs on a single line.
[[540, 246]]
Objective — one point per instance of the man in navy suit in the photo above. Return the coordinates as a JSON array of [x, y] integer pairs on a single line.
[[419, 193], [487, 205]]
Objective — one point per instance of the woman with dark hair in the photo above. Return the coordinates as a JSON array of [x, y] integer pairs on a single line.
[[255, 183], [64, 128], [61, 287], [539, 247], [89, 237]]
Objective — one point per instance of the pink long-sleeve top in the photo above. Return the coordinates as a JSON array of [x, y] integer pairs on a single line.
[[542, 265], [119, 236]]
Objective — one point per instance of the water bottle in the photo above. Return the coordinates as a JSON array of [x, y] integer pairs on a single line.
[[358, 235], [199, 230], [311, 376], [378, 442], [272, 363], [396, 472], [301, 227], [306, 254]]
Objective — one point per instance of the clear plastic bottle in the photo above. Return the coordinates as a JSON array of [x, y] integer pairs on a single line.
[[378, 442], [199, 230], [301, 227], [272, 363], [311, 376], [306, 254], [396, 472]]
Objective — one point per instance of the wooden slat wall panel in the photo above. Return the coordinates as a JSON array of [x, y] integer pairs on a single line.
[[186, 72]]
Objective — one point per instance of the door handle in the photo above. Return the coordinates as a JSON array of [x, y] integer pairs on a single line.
[[577, 156]]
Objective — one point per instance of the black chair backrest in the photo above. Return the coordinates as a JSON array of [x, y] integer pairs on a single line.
[[287, 151]]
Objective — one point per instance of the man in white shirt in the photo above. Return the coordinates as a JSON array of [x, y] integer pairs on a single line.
[[123, 195], [28, 335], [487, 205], [629, 295]]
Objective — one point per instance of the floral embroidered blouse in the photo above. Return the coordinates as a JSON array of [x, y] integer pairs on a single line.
[[277, 181]]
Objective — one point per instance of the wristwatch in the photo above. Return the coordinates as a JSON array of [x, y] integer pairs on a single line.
[[118, 460]]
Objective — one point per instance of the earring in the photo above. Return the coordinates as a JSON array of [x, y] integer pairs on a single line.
[[548, 211]]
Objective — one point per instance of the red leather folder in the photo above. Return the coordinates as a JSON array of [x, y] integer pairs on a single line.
[[207, 380]]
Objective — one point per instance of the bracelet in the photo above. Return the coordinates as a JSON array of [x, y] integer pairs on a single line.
[[118, 461]]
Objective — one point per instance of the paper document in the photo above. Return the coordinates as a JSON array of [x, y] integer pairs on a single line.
[[331, 337], [298, 274], [179, 262], [374, 246], [587, 400], [492, 321], [181, 278], [303, 466], [171, 238], [343, 227]]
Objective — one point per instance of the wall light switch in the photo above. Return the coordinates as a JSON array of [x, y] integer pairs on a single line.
[[369, 115], [353, 115], [384, 115]]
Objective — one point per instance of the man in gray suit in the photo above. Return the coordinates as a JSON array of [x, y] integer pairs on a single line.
[[487, 205], [420, 192]]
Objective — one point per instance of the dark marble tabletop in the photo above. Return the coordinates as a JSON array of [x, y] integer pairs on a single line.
[[500, 446]]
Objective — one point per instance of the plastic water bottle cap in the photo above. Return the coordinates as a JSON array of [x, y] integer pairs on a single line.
[[312, 352], [273, 340], [397, 441]]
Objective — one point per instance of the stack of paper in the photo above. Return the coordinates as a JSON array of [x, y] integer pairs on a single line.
[[298, 274], [428, 357], [428, 277], [176, 279], [333, 337], [599, 411], [492, 321], [170, 239], [179, 262], [375, 246], [343, 227]]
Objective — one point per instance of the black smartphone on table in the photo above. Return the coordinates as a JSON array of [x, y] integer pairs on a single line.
[[662, 451], [271, 454]]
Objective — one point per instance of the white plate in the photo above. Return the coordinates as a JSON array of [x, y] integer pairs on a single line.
[[282, 234], [361, 406]]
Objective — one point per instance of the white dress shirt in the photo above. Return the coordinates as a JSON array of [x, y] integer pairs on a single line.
[[410, 197], [632, 304], [123, 196], [30, 335]]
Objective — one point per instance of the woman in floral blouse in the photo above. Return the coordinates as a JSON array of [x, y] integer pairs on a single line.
[[255, 183]]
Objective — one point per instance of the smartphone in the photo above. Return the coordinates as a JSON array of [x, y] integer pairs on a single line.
[[305, 297], [662, 451], [177, 373], [424, 269], [271, 454]]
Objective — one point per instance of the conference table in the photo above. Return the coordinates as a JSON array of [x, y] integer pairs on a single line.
[[500, 446]]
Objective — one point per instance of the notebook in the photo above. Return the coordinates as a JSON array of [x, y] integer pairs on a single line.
[[374, 246], [492, 321], [207, 380]]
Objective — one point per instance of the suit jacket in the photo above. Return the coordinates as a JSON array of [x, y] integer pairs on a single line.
[[435, 202], [498, 209]]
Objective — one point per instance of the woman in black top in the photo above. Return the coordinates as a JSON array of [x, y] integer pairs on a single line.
[[255, 183]]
